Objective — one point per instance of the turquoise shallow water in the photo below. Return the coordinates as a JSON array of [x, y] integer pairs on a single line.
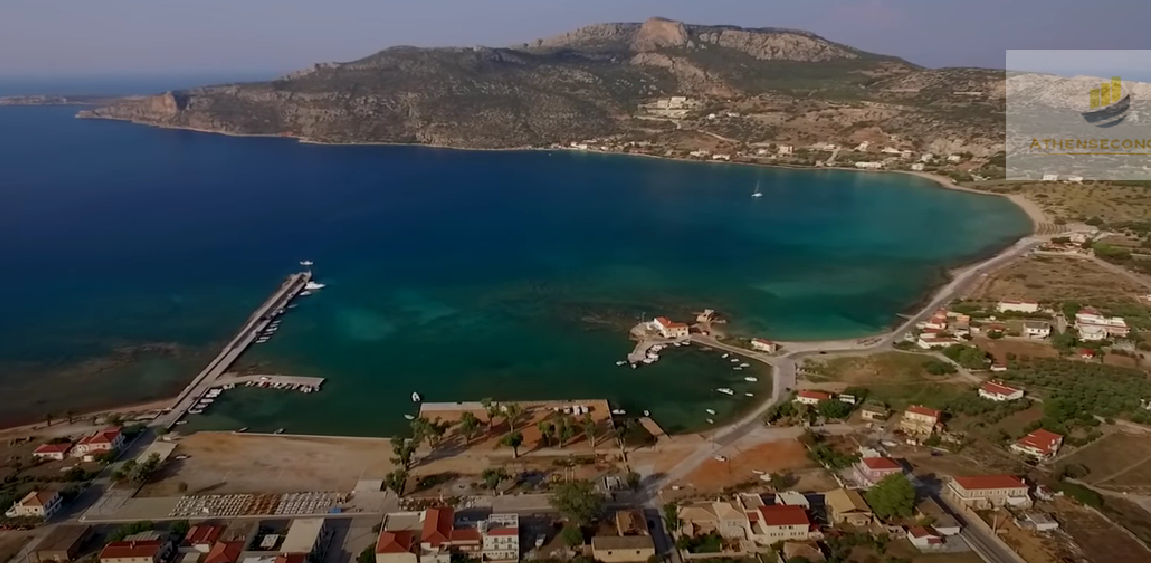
[[131, 253]]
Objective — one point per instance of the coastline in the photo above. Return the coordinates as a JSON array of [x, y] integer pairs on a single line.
[[936, 288]]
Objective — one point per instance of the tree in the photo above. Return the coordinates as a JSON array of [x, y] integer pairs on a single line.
[[115, 419], [513, 413], [69, 415], [633, 480], [396, 481], [180, 527], [1070, 308], [493, 476], [671, 517], [547, 430], [578, 501], [893, 496], [571, 535], [469, 423], [182, 487], [567, 429], [48, 419], [833, 408], [995, 335], [493, 410], [780, 481], [590, 429], [368, 555], [939, 367], [513, 440]]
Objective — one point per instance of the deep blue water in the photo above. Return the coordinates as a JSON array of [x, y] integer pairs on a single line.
[[131, 253]]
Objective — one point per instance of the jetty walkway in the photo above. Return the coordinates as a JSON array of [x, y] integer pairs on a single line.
[[256, 323]]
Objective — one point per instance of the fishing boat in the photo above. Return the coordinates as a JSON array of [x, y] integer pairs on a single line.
[[752, 379], [409, 417], [305, 292], [737, 368], [725, 355], [416, 397], [735, 360], [744, 365], [710, 421], [242, 430], [621, 362], [726, 391], [306, 263], [181, 422], [278, 431], [748, 395], [647, 413], [618, 412], [313, 286], [757, 193], [710, 411]]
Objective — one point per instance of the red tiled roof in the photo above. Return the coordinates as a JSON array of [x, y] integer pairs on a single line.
[[37, 498], [998, 388], [813, 394], [395, 542], [438, 525], [504, 532], [203, 533], [105, 436], [466, 535], [981, 482], [1087, 352], [131, 549], [924, 411], [669, 324], [784, 515], [1041, 439], [225, 552], [53, 448], [921, 531], [881, 463]]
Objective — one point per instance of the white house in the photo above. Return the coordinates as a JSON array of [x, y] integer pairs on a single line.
[[996, 391], [36, 503], [811, 397], [764, 345], [1050, 177], [52, 451], [931, 340], [905, 155], [700, 153], [1075, 179], [670, 329], [862, 147], [785, 149], [927, 157], [924, 538], [103, 441], [917, 166], [1093, 326], [1036, 329], [953, 158], [869, 164], [1017, 306]]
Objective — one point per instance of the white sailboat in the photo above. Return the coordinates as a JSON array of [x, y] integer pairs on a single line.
[[415, 397], [757, 193]]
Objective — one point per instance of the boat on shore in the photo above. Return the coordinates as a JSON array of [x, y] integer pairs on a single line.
[[278, 431]]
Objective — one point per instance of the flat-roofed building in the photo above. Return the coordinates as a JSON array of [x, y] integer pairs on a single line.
[[62, 544], [308, 537], [632, 541]]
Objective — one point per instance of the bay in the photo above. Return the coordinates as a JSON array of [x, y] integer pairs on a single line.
[[130, 254]]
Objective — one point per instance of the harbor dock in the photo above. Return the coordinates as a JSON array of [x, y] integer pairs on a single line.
[[209, 376], [277, 381]]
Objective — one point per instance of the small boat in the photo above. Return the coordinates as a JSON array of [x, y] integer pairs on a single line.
[[737, 368], [725, 355], [621, 362], [726, 391], [757, 193], [242, 430], [618, 411], [710, 421], [313, 286], [751, 379], [744, 365], [278, 431], [261, 340], [195, 411], [647, 413], [305, 292], [409, 417], [292, 306], [181, 422], [649, 360], [306, 263], [710, 411], [633, 366], [735, 360], [748, 395], [416, 397]]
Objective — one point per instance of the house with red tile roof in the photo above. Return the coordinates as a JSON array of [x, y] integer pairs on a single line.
[[38, 504], [924, 538], [811, 397], [670, 329], [52, 451], [761, 345], [152, 551], [871, 470], [772, 523], [202, 537], [1041, 444], [996, 390], [919, 421], [397, 547], [103, 441], [982, 492], [433, 535], [225, 552]]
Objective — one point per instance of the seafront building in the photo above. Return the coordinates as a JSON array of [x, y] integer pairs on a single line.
[[433, 535], [983, 492]]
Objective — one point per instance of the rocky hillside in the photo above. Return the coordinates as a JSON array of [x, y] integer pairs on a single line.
[[584, 84]]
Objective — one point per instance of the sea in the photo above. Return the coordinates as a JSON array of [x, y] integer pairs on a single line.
[[130, 254]]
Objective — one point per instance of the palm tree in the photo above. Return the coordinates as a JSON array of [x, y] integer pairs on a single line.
[[567, 430], [590, 428], [513, 413], [469, 423], [48, 419], [547, 429], [513, 441], [493, 410], [69, 414]]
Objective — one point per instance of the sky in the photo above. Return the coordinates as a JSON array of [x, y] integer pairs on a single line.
[[135, 37]]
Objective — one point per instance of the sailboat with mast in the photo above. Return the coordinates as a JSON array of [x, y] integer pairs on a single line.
[[757, 193]]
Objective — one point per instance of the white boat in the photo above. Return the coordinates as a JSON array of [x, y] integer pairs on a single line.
[[181, 422], [725, 355], [726, 391], [313, 286], [621, 362], [757, 193], [618, 411], [737, 368], [748, 395], [751, 379], [292, 306], [647, 413], [710, 421], [278, 431], [633, 366], [735, 360], [710, 411], [744, 365], [409, 417], [649, 360], [305, 293], [306, 263], [194, 411], [416, 397]]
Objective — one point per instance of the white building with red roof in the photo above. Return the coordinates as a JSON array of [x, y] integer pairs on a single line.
[[202, 537], [872, 470], [1041, 444], [670, 329], [1093, 326], [103, 441], [152, 551], [931, 339], [996, 390], [37, 504], [982, 492], [762, 345], [433, 535], [772, 523], [924, 538], [52, 451], [937, 321], [811, 397], [920, 421]]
